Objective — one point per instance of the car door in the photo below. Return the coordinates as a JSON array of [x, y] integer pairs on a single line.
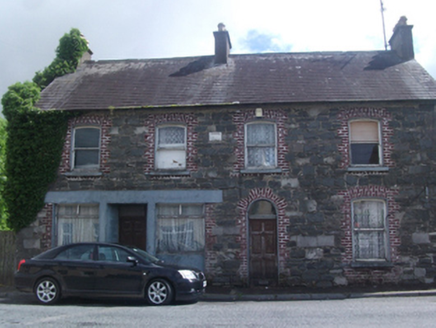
[[76, 267], [115, 274]]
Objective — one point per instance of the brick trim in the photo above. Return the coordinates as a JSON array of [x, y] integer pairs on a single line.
[[379, 114], [211, 258], [101, 121], [276, 116], [46, 220], [151, 124], [364, 275], [283, 223]]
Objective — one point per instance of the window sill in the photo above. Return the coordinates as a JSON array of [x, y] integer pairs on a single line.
[[371, 264], [261, 171], [83, 174], [368, 169], [166, 173]]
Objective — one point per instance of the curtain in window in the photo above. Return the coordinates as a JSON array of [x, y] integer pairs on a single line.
[[261, 145], [77, 223], [364, 139], [180, 228], [369, 229]]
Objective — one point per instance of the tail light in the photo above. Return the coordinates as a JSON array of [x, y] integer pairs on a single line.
[[19, 264]]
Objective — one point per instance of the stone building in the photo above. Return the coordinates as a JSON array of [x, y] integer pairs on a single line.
[[292, 169]]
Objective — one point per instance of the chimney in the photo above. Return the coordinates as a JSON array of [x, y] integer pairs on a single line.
[[222, 44], [402, 41]]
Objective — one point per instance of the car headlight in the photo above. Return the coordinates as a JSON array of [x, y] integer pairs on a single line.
[[187, 274]]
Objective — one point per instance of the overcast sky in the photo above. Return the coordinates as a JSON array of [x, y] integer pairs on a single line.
[[120, 29]]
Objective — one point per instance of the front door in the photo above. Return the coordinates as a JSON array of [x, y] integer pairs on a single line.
[[263, 245], [133, 225]]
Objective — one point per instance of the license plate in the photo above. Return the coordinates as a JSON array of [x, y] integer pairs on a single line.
[[204, 284]]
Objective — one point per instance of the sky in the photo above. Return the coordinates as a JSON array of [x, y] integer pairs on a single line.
[[129, 29]]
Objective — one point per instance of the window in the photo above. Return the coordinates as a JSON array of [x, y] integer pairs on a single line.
[[86, 149], [77, 223], [365, 143], [77, 252], [112, 254], [260, 145], [369, 230], [171, 148], [180, 228]]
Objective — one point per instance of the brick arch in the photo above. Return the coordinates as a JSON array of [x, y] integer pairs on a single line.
[[282, 227]]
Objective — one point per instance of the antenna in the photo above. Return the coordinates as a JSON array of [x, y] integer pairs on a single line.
[[382, 9]]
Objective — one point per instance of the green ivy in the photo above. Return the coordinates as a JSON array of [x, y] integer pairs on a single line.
[[35, 138]]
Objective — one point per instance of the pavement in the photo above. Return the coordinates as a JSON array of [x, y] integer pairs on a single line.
[[219, 294]]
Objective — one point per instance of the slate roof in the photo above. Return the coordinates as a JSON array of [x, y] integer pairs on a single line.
[[245, 79]]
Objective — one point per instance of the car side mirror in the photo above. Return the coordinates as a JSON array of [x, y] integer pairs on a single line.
[[132, 260]]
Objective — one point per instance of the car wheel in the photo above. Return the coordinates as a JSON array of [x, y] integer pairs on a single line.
[[159, 292], [47, 291]]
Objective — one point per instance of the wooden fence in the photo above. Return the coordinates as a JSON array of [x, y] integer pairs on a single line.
[[7, 258]]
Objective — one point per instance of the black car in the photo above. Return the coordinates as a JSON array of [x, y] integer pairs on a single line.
[[101, 269]]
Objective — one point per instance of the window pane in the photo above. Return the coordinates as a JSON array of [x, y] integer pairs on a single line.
[[366, 132], [365, 154], [79, 252], [77, 223], [262, 207], [261, 157], [170, 159], [87, 137], [180, 235], [369, 245], [86, 157], [112, 254], [171, 135], [168, 210], [369, 214], [196, 210], [260, 134]]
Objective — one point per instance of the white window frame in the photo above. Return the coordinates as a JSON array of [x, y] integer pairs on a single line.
[[356, 230], [168, 148], [181, 216], [74, 149], [247, 145], [350, 143]]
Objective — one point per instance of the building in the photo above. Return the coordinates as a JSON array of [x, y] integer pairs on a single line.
[[292, 169]]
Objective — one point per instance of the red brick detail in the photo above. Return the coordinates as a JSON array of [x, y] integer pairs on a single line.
[[241, 118], [211, 256], [89, 120], [45, 218], [364, 275], [283, 223], [379, 114], [153, 121]]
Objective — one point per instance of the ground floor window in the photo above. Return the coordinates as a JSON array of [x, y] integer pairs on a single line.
[[369, 230], [180, 228], [77, 223]]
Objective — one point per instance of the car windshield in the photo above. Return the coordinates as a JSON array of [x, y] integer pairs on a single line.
[[145, 255]]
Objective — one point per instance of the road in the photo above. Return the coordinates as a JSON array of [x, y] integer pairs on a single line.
[[395, 312]]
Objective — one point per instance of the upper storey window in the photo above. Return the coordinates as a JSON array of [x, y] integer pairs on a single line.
[[261, 145], [365, 146], [171, 147], [86, 149]]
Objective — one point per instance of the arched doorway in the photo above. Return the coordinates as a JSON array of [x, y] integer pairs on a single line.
[[263, 260]]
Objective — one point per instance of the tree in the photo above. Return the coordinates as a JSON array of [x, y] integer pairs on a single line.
[[2, 173], [35, 138]]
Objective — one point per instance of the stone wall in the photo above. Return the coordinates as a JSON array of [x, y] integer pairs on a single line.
[[311, 190]]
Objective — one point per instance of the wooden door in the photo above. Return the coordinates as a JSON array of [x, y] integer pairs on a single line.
[[133, 225], [263, 252]]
